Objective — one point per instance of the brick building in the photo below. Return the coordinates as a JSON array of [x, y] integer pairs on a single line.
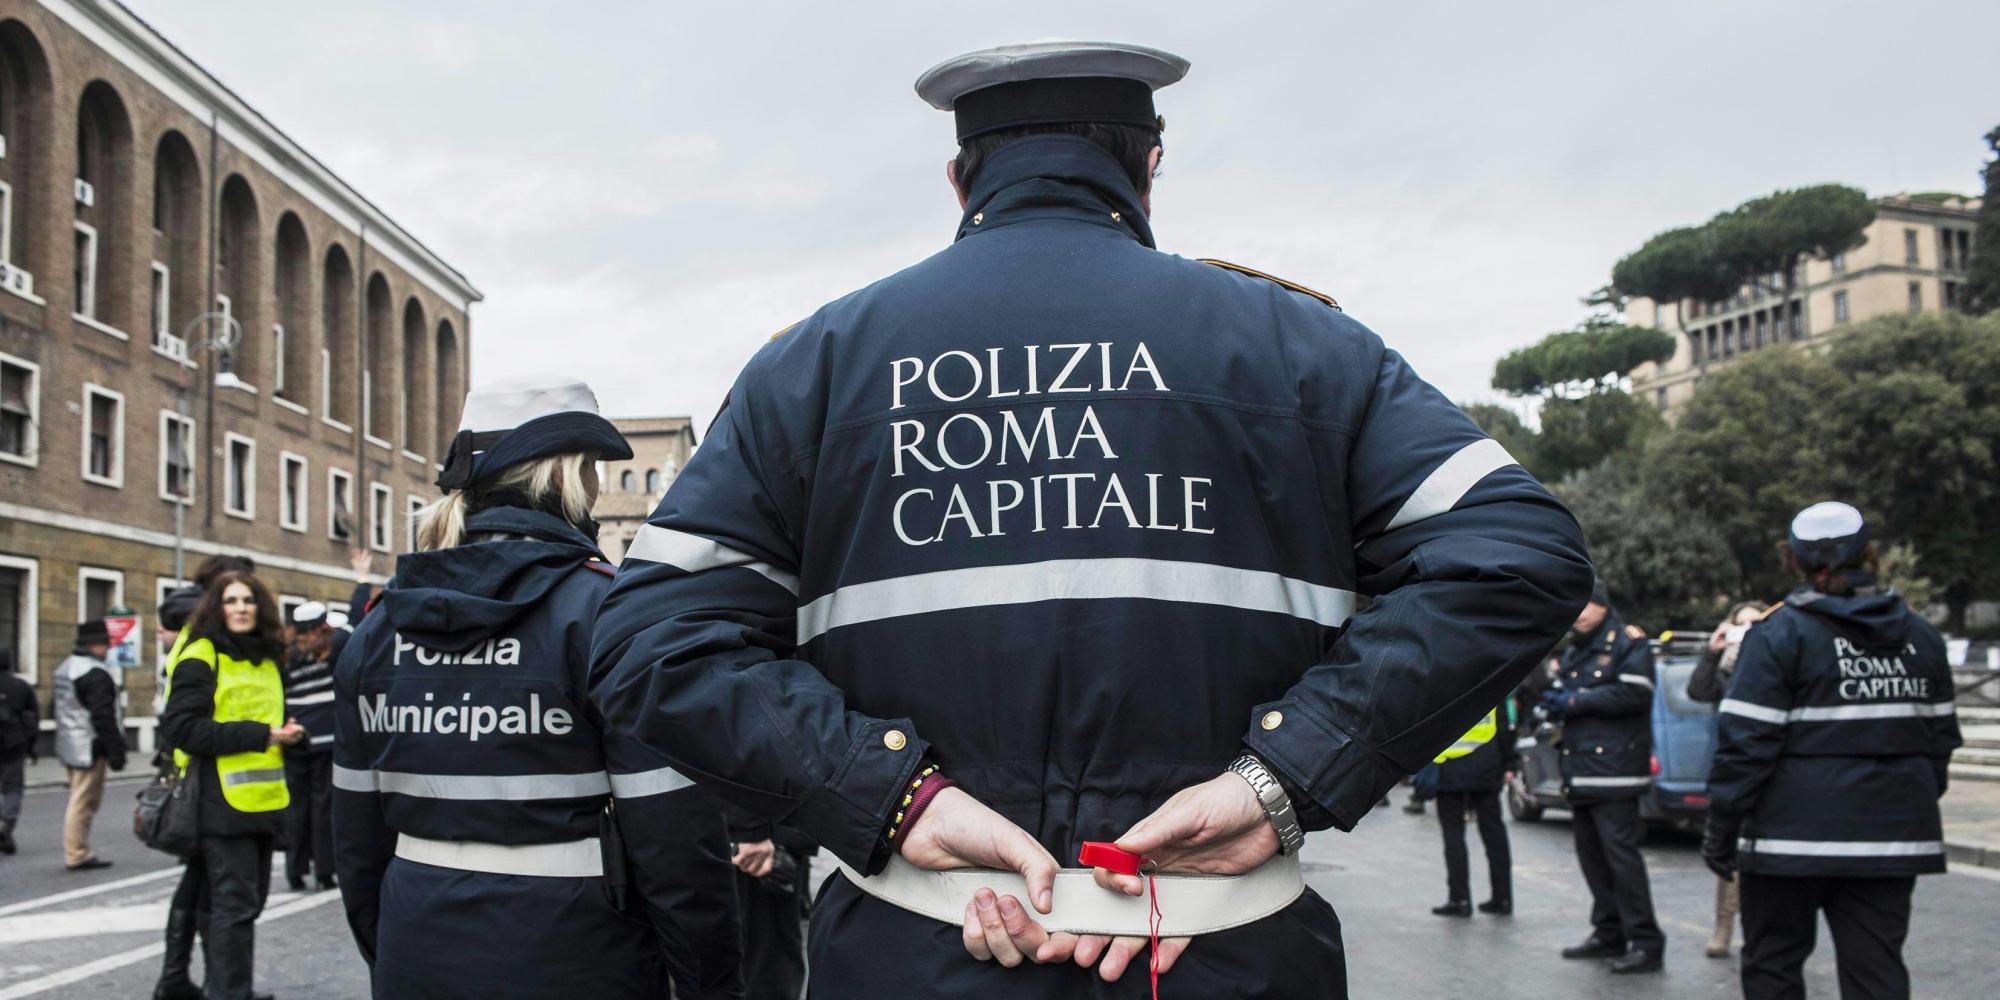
[[628, 491], [138, 195]]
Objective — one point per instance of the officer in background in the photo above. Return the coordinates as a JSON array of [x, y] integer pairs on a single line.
[[1469, 775], [476, 852], [90, 736], [1832, 749], [1603, 698], [1054, 537], [313, 648]]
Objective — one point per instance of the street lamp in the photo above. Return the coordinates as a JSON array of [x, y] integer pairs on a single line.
[[224, 340]]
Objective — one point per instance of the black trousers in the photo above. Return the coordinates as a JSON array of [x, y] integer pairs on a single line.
[[1492, 833], [230, 878], [1607, 849], [774, 934], [1869, 918], [309, 819]]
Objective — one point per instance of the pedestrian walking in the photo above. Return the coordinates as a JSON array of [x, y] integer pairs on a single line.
[[474, 786], [1055, 538], [225, 721], [309, 659], [1712, 672], [1832, 750], [90, 737], [774, 895], [1603, 699], [20, 722], [1470, 773]]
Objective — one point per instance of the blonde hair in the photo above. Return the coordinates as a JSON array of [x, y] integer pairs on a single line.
[[558, 482]]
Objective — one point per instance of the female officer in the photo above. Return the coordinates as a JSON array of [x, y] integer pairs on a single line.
[[474, 786], [225, 719]]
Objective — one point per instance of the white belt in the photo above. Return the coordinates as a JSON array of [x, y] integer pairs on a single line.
[[1189, 904], [575, 859]]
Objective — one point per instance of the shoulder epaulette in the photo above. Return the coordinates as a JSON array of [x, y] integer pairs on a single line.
[[782, 332], [1772, 610], [1274, 279]]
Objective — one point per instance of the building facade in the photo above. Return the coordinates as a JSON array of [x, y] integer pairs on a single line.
[[196, 317], [628, 491], [1914, 260]]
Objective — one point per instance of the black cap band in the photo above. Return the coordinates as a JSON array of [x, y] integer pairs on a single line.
[[1055, 101]]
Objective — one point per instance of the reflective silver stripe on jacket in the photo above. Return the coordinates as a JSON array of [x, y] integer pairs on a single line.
[[1614, 782], [1451, 481], [693, 553], [1075, 579], [474, 787], [1839, 713], [1843, 848], [640, 784], [1640, 679]]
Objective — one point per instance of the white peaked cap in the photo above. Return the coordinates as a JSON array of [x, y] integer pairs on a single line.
[[510, 402], [1826, 519]]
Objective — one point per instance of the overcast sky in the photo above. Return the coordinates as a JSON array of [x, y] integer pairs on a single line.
[[645, 192]]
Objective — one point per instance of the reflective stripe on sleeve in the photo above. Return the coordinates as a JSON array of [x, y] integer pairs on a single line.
[[1074, 579], [657, 781], [321, 740], [693, 554], [500, 787], [349, 779], [1843, 848], [1451, 481], [1840, 713], [1617, 782], [1751, 710], [1640, 679]]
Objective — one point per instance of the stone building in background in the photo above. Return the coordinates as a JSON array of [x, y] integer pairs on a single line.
[[137, 194], [1914, 260], [628, 491]]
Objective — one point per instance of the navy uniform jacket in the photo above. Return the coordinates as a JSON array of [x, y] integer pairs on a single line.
[[309, 697], [1080, 521], [1607, 739], [1835, 739], [462, 715]]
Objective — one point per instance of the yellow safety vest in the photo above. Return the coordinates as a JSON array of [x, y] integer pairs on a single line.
[[1474, 738], [252, 781]]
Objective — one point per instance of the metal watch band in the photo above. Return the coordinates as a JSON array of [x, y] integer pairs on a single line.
[[1277, 805]]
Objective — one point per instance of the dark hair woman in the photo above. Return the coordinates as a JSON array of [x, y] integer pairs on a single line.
[[225, 719], [471, 776]]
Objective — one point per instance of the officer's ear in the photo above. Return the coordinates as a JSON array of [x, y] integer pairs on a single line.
[[1152, 170], [951, 174]]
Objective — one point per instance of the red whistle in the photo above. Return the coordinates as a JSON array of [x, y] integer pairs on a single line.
[[1098, 854]]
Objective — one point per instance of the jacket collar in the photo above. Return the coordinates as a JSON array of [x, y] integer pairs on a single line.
[[529, 523], [1054, 177]]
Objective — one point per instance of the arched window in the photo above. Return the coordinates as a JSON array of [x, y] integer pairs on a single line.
[[415, 422], [625, 481], [24, 113], [340, 372], [175, 284], [239, 272], [102, 237], [450, 381], [379, 390], [652, 480], [291, 336]]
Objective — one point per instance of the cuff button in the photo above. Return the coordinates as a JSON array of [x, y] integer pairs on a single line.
[[1272, 720], [894, 739]]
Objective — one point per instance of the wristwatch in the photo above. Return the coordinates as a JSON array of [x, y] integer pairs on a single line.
[[1277, 805]]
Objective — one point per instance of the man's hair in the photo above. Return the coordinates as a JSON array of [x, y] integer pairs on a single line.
[[215, 566], [1128, 144]]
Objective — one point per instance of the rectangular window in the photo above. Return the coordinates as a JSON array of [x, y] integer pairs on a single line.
[[339, 505], [163, 331], [240, 475], [1660, 397], [1659, 314], [412, 507], [19, 607], [1840, 307], [1945, 249], [1950, 290], [98, 591], [1909, 246], [6, 218], [278, 360], [20, 410], [86, 271], [380, 501], [176, 457], [1797, 321], [1916, 296], [227, 360], [1762, 325], [103, 436], [291, 491], [1840, 263]]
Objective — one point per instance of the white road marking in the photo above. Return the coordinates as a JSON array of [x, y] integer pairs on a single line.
[[64, 897], [92, 920], [140, 954]]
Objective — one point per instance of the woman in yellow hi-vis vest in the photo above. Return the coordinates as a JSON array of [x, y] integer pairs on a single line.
[[225, 719], [1470, 774]]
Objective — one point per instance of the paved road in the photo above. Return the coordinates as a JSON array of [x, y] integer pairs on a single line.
[[96, 935]]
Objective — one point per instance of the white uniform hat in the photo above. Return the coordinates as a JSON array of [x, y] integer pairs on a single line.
[[515, 420], [1047, 83]]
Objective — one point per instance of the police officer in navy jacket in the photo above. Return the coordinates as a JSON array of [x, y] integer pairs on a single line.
[[472, 776], [1832, 750], [1604, 698], [1050, 533]]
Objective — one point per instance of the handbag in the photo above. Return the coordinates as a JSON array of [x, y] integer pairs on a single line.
[[168, 815]]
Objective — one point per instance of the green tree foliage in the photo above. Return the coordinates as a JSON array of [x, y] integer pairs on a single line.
[[1592, 358], [1903, 570], [1676, 266], [1580, 433], [1982, 291], [1766, 235], [1502, 425], [1664, 569]]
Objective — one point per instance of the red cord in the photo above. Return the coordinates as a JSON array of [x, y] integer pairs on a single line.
[[1153, 931]]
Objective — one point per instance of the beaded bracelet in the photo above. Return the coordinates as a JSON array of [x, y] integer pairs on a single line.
[[923, 788]]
